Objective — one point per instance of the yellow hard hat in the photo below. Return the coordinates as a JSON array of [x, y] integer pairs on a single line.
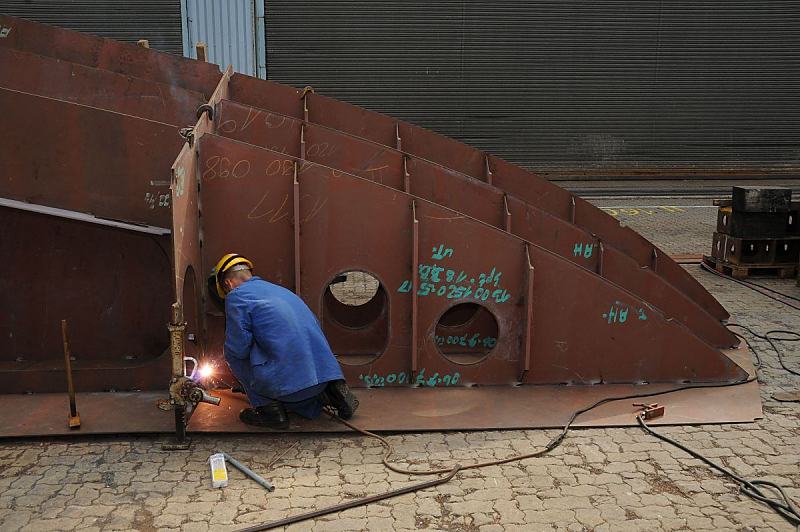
[[226, 263]]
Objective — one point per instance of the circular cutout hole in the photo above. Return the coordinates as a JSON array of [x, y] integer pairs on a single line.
[[356, 317], [466, 333], [459, 315], [354, 288]]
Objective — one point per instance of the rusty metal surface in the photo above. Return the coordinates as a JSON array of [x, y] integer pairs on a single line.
[[498, 407], [504, 407], [464, 159], [494, 407], [85, 159], [116, 335], [107, 54], [481, 308], [45, 414], [468, 196], [186, 241], [245, 203], [45, 76]]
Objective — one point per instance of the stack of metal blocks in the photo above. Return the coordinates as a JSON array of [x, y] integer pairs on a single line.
[[757, 234]]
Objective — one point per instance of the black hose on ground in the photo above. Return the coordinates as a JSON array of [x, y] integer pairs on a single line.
[[783, 505], [770, 337], [754, 287]]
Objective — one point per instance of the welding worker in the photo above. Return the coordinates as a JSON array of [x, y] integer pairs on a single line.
[[275, 347]]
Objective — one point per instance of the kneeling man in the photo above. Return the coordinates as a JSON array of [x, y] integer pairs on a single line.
[[275, 347]]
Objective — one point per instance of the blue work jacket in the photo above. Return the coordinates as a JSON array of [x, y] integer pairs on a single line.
[[273, 342]]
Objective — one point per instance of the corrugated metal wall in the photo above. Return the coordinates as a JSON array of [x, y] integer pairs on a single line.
[[158, 21], [233, 31], [605, 88]]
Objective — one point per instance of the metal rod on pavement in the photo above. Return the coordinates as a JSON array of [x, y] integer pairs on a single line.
[[247, 471], [74, 419], [352, 504]]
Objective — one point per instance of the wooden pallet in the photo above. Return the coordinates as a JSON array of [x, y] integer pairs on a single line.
[[740, 271], [760, 252]]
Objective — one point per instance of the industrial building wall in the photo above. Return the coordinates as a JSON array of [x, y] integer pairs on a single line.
[[572, 88], [158, 21], [233, 30]]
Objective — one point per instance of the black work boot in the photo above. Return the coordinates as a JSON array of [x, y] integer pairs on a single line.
[[272, 416], [338, 395]]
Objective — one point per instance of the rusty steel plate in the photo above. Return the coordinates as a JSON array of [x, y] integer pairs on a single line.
[[45, 414], [504, 408], [107, 54], [449, 281], [469, 196], [520, 407], [490, 408], [62, 80], [540, 334], [94, 277], [85, 159], [424, 409], [187, 266], [425, 144]]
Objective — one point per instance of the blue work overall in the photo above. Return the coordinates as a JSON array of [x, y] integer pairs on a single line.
[[276, 349]]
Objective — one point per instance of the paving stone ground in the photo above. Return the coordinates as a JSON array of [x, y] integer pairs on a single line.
[[676, 225], [599, 479]]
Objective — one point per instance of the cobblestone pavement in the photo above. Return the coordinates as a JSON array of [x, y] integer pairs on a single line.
[[598, 479], [676, 225]]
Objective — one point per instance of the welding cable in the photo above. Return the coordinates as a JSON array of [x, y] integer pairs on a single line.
[[762, 287], [450, 473], [390, 451], [752, 286], [555, 442], [447, 475], [783, 505], [771, 339], [752, 349]]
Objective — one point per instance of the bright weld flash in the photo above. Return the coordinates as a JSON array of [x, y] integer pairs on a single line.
[[206, 371]]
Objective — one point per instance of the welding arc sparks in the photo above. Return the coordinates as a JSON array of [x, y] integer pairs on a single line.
[[206, 371]]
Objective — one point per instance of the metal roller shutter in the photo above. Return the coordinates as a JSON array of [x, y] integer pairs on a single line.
[[233, 31], [158, 21], [572, 88]]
